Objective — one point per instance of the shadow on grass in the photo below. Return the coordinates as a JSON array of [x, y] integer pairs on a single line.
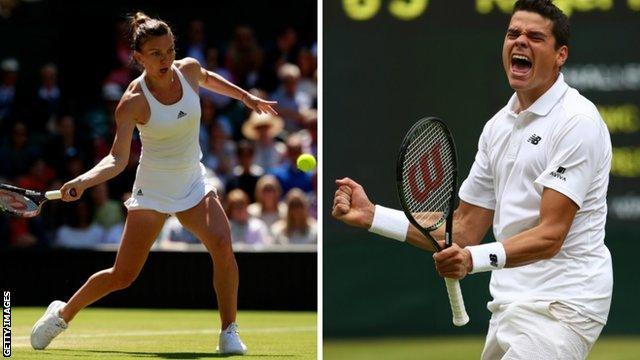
[[165, 355]]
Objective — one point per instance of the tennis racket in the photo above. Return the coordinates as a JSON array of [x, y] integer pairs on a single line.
[[25, 203], [426, 180]]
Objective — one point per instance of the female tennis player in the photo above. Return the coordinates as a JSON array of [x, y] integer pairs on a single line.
[[164, 105]]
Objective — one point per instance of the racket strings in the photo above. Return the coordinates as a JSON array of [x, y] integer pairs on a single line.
[[428, 174], [16, 203]]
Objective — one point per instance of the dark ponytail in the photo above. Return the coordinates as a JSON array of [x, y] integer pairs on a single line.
[[143, 27]]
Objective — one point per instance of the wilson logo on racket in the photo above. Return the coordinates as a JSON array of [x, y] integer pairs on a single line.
[[430, 176]]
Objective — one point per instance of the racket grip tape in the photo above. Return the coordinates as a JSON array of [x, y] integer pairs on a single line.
[[57, 195], [53, 195], [460, 317]]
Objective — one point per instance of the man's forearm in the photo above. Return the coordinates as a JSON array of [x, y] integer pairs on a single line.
[[535, 244]]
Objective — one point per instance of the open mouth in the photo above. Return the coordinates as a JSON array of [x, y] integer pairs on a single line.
[[164, 70], [520, 64]]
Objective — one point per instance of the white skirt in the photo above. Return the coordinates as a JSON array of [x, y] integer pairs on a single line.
[[168, 191]]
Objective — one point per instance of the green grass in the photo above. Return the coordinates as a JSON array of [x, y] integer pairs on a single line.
[[459, 348], [166, 334]]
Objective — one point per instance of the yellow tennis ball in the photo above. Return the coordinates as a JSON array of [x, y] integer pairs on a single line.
[[306, 162]]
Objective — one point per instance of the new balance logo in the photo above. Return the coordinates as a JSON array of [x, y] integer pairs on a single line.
[[181, 114], [139, 193], [493, 260], [534, 139]]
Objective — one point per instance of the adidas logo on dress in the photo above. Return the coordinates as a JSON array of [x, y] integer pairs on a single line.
[[181, 114], [139, 193]]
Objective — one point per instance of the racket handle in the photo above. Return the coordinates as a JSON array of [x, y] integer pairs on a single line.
[[53, 195], [460, 317], [57, 195]]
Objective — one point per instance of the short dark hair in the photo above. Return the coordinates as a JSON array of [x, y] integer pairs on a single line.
[[548, 10]]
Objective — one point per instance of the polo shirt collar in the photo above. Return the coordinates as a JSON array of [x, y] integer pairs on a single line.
[[545, 103]]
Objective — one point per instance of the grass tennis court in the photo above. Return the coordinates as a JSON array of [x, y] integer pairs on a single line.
[[166, 334], [458, 348]]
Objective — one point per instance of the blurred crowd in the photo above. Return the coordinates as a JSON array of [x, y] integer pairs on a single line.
[[250, 157]]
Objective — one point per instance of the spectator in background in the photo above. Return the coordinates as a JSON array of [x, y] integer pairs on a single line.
[[208, 117], [307, 84], [122, 73], [47, 105], [73, 165], [245, 229], [196, 42], [310, 132], [7, 8], [101, 120], [287, 173], [108, 212], [244, 57], [246, 174], [68, 143], [212, 62], [173, 233], [313, 196], [20, 234], [8, 79], [263, 128], [26, 232], [38, 176], [268, 206], [79, 231], [238, 115], [298, 227], [284, 51], [291, 100], [113, 235], [16, 152], [221, 155], [53, 214]]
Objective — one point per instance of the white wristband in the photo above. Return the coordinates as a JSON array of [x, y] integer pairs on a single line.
[[487, 257], [389, 223]]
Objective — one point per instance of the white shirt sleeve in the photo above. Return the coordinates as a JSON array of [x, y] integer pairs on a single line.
[[574, 156], [478, 188]]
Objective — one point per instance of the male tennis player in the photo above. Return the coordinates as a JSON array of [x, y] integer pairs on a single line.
[[540, 178]]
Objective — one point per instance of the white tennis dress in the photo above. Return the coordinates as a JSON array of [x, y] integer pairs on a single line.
[[170, 177]]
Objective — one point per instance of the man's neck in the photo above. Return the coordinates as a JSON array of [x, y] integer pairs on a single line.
[[527, 97]]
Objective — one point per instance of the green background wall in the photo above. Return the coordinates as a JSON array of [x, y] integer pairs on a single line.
[[381, 74]]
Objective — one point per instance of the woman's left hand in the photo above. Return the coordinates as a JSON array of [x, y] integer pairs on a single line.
[[258, 105]]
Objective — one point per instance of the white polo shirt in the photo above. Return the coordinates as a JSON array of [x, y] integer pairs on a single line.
[[559, 142]]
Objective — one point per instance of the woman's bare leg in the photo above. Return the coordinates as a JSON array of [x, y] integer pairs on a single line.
[[140, 230], [209, 223]]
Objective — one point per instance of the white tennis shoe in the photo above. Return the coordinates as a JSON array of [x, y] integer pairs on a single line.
[[48, 326], [230, 342]]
